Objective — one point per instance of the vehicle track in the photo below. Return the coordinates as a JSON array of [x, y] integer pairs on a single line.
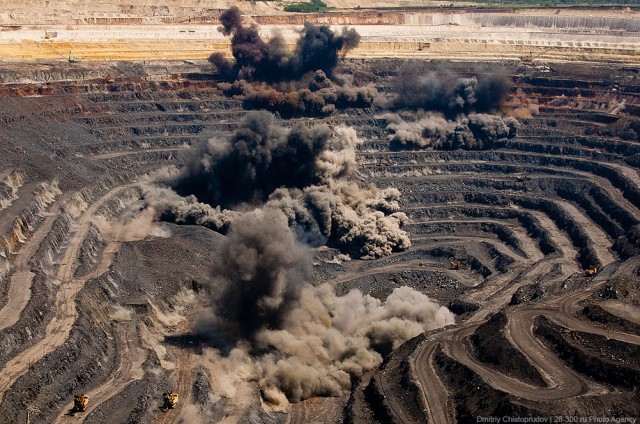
[[459, 241], [562, 381], [129, 369], [297, 413], [531, 251], [413, 265], [316, 410], [59, 328], [113, 155], [19, 292], [182, 379], [622, 310], [434, 391], [392, 401], [500, 288], [182, 384]]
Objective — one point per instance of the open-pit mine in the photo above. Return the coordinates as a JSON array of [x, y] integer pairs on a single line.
[[399, 212]]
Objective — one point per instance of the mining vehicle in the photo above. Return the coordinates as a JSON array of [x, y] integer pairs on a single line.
[[530, 56], [170, 400], [80, 403], [73, 59], [454, 265], [110, 79], [591, 271]]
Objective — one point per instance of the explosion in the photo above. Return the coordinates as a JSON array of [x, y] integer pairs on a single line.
[[303, 340], [301, 172], [278, 192], [317, 49], [449, 112], [274, 192], [265, 75]]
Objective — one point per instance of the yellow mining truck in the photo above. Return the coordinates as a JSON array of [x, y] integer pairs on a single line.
[[591, 271], [80, 403], [454, 265], [170, 400]]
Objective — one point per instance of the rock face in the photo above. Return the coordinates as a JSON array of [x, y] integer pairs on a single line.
[[501, 234], [522, 219], [187, 30]]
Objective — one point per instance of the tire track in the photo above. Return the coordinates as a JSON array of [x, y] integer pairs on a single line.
[[562, 381], [19, 292], [113, 155], [59, 328], [183, 385], [129, 370]]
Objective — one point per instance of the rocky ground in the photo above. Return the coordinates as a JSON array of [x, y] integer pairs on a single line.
[[114, 297], [76, 31]]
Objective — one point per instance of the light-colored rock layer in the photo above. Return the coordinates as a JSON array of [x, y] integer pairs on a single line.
[[568, 35]]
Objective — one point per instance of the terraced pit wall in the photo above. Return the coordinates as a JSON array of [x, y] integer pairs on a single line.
[[523, 218], [552, 35]]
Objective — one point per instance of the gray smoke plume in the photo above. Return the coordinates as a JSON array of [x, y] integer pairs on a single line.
[[259, 158], [265, 75], [260, 272], [476, 131], [446, 111], [255, 59], [446, 92], [303, 340], [314, 95], [302, 172]]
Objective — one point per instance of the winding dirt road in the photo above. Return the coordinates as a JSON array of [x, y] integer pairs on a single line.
[[19, 291], [562, 382], [434, 392], [113, 155], [59, 328], [131, 356]]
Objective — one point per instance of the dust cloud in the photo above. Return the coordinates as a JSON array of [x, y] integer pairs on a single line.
[[303, 340], [476, 131], [301, 172], [264, 74], [276, 192], [441, 110], [446, 92], [317, 49]]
